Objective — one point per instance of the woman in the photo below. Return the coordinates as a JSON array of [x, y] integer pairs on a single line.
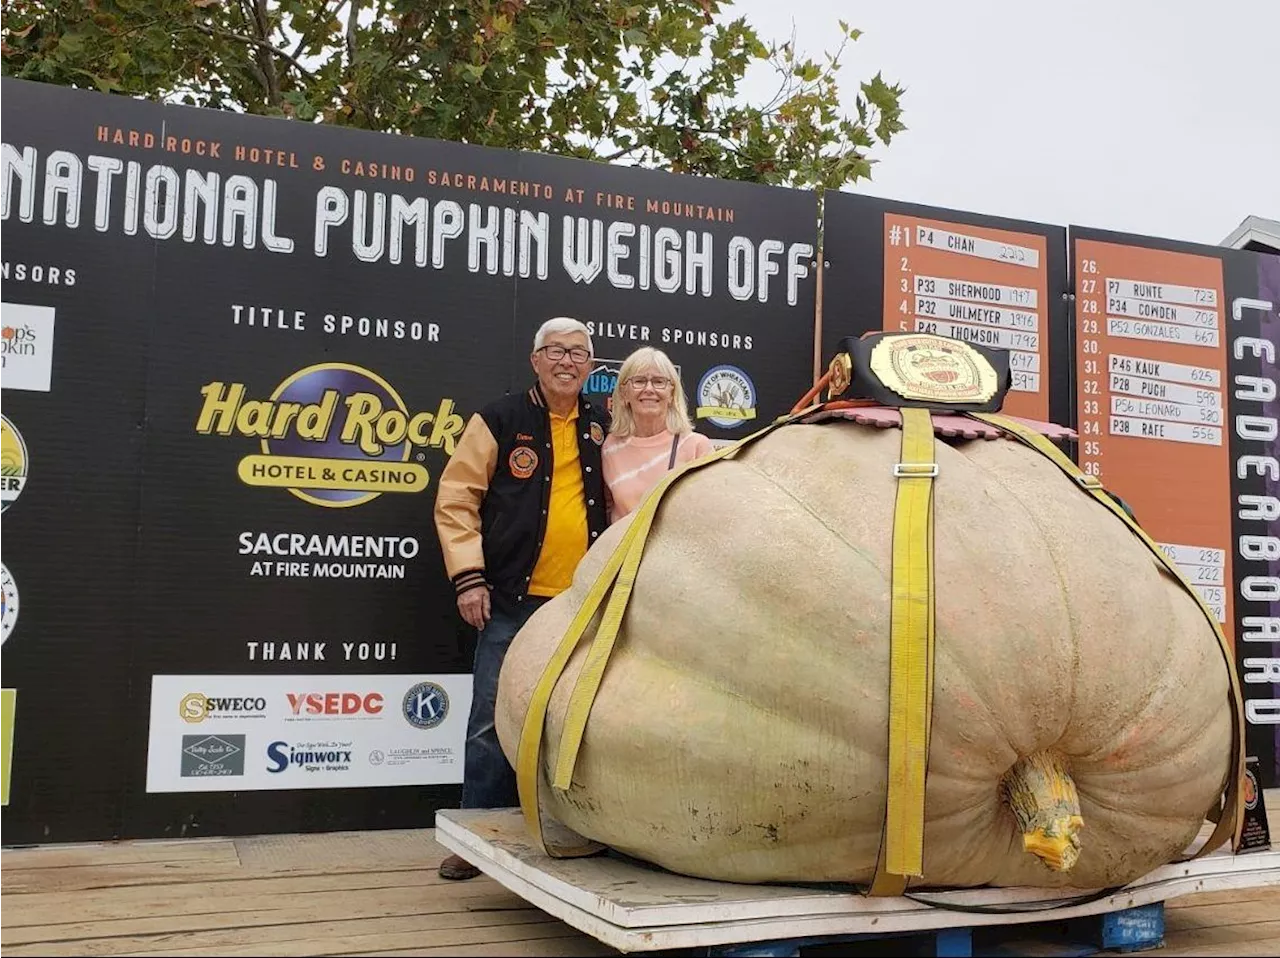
[[651, 432]]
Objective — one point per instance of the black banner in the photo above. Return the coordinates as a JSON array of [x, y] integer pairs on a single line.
[[238, 352], [232, 615], [76, 315]]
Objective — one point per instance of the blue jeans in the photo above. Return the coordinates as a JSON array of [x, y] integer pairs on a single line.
[[488, 781]]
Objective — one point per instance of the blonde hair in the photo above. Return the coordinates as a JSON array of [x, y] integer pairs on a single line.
[[677, 411]]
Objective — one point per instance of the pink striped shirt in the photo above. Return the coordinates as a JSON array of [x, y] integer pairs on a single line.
[[633, 466]]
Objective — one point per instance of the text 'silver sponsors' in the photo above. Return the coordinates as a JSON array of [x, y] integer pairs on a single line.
[[333, 434]]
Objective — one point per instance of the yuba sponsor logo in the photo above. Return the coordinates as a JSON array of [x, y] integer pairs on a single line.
[[309, 756], [601, 381], [307, 705], [26, 347], [333, 434]]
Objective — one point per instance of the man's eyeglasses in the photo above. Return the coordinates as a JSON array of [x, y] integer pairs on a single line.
[[557, 353], [659, 383]]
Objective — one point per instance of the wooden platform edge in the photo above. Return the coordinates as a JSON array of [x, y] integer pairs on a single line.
[[808, 914]]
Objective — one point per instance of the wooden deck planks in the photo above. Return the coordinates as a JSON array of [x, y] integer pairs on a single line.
[[335, 894], [372, 893]]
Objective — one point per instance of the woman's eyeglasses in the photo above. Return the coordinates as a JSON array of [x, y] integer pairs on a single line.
[[659, 383]]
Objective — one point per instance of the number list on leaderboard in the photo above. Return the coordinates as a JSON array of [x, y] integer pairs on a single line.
[[977, 284], [1151, 392]]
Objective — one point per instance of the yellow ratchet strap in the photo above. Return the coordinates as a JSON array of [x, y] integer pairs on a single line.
[[1232, 821], [910, 658], [619, 574]]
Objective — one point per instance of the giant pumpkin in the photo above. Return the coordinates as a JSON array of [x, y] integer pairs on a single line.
[[1082, 721]]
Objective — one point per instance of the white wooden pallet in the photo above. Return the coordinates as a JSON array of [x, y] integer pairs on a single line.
[[634, 908]]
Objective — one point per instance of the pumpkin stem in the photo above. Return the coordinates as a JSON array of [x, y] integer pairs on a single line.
[[1042, 797]]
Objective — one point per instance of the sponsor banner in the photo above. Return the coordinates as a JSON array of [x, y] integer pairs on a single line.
[[222, 733], [281, 330], [75, 319], [8, 707]]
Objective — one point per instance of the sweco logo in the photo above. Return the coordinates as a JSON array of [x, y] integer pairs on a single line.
[[195, 707], [333, 434]]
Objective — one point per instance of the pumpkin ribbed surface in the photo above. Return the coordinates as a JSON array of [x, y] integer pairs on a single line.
[[740, 731]]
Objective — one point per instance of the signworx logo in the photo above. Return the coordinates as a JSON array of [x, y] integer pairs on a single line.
[[310, 756]]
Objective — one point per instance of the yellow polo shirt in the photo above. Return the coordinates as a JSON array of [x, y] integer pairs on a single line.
[[565, 542]]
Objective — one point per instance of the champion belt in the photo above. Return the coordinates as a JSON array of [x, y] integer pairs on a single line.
[[896, 380]]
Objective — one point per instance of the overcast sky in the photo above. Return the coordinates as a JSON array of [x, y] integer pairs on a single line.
[[1159, 117]]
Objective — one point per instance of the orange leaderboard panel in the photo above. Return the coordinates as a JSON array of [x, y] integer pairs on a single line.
[[1151, 398], [978, 284]]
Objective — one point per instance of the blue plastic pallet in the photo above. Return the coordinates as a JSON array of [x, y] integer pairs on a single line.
[[1133, 929]]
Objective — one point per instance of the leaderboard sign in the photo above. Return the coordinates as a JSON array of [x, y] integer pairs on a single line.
[[1001, 283], [1167, 370], [1151, 356], [1177, 412]]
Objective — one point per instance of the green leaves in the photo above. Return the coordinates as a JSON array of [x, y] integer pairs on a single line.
[[653, 83]]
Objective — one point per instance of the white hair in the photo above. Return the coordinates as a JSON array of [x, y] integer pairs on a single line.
[[561, 324]]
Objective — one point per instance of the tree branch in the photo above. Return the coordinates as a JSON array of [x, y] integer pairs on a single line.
[[352, 13], [254, 41], [305, 35], [268, 63]]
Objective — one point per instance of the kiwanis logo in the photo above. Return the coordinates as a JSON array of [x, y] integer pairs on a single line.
[[15, 463], [333, 434]]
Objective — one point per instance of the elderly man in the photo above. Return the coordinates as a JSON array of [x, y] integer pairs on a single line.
[[518, 505]]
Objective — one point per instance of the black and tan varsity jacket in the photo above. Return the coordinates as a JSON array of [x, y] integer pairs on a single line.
[[492, 497]]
